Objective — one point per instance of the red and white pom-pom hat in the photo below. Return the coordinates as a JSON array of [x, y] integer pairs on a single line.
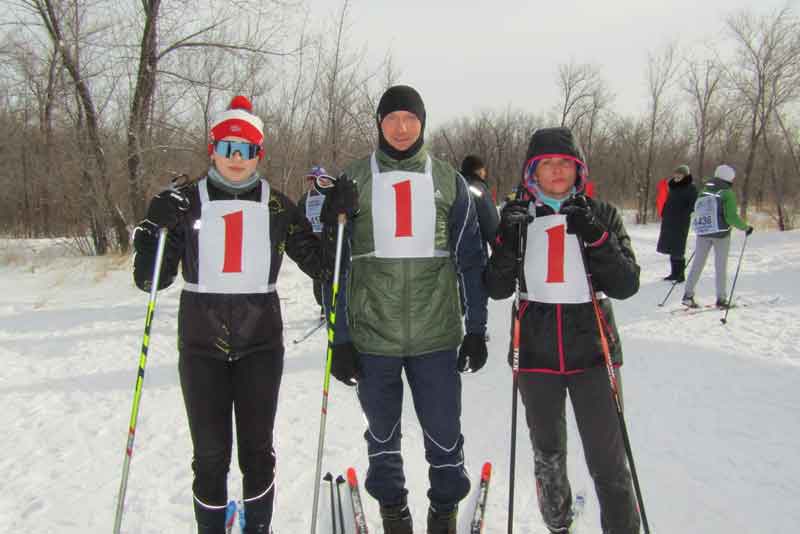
[[237, 121]]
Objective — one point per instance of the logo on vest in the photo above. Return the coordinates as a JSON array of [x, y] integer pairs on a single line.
[[437, 194]]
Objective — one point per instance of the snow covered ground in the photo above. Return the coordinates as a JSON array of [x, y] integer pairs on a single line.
[[712, 409]]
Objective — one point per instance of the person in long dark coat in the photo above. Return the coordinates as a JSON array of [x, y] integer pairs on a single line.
[[675, 221]]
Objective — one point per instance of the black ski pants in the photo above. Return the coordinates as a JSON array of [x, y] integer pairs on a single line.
[[214, 392], [544, 398]]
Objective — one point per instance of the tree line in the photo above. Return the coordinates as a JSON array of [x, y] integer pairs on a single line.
[[106, 100]]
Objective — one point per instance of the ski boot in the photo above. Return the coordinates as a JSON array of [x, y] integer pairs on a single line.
[[442, 520], [722, 304], [210, 519], [397, 518], [689, 302]]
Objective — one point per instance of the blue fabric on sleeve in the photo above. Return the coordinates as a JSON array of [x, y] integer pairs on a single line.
[[469, 254]]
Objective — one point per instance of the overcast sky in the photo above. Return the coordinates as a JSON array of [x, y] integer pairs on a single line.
[[465, 56]]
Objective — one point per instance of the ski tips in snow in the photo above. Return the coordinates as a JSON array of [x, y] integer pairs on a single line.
[[351, 477], [486, 472], [476, 526], [359, 519]]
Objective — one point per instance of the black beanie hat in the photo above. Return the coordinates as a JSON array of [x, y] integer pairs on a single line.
[[400, 98], [471, 165]]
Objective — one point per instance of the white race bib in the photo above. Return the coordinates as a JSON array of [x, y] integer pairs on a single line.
[[706, 220], [313, 209], [554, 270], [235, 251], [403, 212]]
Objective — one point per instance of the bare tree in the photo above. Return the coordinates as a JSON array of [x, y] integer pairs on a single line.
[[661, 69], [577, 83], [104, 208], [765, 74], [703, 82]]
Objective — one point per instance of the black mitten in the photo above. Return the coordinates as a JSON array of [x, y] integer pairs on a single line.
[[581, 220], [341, 198], [165, 210], [345, 364]]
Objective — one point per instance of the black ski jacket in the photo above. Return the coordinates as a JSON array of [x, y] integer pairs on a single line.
[[564, 338], [676, 217], [225, 326], [484, 205]]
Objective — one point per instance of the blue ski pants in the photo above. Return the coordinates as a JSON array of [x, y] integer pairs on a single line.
[[435, 386]]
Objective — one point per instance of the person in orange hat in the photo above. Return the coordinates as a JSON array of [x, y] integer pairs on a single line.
[[228, 232]]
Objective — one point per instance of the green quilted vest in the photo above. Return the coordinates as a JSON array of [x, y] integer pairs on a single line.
[[407, 306]]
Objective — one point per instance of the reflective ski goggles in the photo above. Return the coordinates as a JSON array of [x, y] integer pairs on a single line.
[[228, 149], [323, 182]]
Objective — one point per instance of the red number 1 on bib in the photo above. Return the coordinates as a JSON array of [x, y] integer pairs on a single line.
[[555, 254], [234, 224], [402, 202]]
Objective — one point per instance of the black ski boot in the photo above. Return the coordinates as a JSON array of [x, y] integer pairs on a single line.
[[722, 304], [258, 514], [397, 518], [678, 273], [442, 519], [679, 270], [210, 520]]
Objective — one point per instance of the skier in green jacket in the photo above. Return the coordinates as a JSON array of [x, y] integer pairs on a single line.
[[715, 212]]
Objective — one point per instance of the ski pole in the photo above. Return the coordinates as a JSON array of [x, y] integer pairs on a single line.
[[612, 378], [724, 320], [675, 282], [137, 392], [327, 380], [329, 479], [515, 386], [339, 482]]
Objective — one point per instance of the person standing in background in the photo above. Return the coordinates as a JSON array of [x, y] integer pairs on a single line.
[[676, 218], [474, 171], [311, 204]]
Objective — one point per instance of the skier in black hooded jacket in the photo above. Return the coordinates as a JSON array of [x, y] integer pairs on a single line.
[[560, 347]]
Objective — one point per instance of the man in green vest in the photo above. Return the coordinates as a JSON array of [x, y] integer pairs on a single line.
[[413, 245]]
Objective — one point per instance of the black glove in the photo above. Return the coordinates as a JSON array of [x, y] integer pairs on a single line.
[[165, 210], [749, 230], [581, 220], [472, 354], [341, 197], [345, 365], [513, 215]]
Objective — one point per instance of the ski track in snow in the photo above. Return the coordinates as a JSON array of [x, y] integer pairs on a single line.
[[711, 408]]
